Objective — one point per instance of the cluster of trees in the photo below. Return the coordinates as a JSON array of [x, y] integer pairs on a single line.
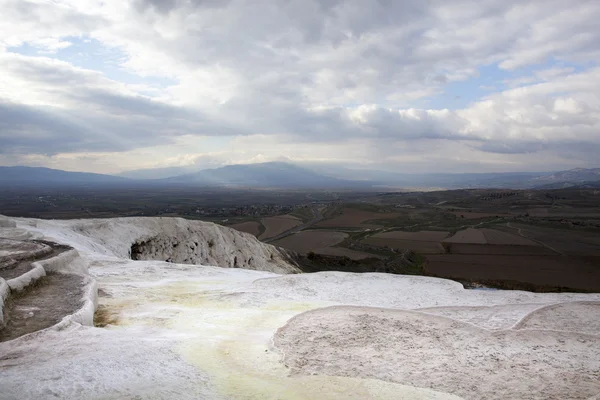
[[554, 197]]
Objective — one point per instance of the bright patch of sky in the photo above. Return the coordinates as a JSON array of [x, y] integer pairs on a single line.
[[491, 78], [88, 53]]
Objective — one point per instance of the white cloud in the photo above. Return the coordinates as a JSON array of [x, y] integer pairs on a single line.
[[336, 80]]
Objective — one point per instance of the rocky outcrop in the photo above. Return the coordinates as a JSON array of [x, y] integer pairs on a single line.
[[177, 240]]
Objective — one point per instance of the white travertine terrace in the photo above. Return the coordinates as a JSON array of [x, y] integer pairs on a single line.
[[186, 331]]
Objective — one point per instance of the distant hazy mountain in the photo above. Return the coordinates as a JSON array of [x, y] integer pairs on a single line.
[[44, 177], [570, 176], [271, 174], [512, 180], [158, 173], [588, 185], [288, 176], [570, 185], [436, 180]]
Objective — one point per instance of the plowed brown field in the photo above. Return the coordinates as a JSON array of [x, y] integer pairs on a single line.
[[351, 217], [276, 225], [469, 235], [320, 242], [414, 245], [580, 273], [306, 241], [251, 227]]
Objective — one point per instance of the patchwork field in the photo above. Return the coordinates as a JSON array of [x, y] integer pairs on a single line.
[[483, 241], [496, 237], [320, 242], [493, 242], [414, 245], [351, 217], [277, 225], [567, 242], [425, 242], [520, 228]]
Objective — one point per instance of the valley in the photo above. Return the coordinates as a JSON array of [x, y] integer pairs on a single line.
[[541, 240]]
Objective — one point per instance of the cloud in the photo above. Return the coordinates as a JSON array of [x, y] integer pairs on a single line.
[[51, 107], [312, 77]]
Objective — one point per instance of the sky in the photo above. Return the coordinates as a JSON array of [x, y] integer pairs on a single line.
[[428, 86]]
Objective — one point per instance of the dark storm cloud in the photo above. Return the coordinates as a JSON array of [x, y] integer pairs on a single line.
[[503, 147], [46, 130], [99, 116], [109, 123]]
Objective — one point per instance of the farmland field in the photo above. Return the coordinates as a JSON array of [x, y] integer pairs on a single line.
[[580, 273], [276, 225], [306, 241], [351, 217], [421, 236], [496, 237], [563, 241], [498, 249], [320, 242], [423, 247], [469, 235], [425, 242], [251, 227]]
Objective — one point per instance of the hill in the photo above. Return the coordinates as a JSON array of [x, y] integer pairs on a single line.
[[265, 175], [44, 177], [500, 180], [290, 176], [158, 173]]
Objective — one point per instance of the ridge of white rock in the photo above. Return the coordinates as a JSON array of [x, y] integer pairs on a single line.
[[85, 315], [174, 240], [204, 332], [68, 262], [28, 278]]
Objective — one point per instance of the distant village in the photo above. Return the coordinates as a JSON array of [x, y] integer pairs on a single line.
[[251, 210]]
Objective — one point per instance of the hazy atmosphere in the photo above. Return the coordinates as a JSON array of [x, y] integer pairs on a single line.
[[432, 86]]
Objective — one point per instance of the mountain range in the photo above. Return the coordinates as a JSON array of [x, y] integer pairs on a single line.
[[290, 176]]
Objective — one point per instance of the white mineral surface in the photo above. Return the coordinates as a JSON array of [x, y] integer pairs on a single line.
[[175, 330]]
